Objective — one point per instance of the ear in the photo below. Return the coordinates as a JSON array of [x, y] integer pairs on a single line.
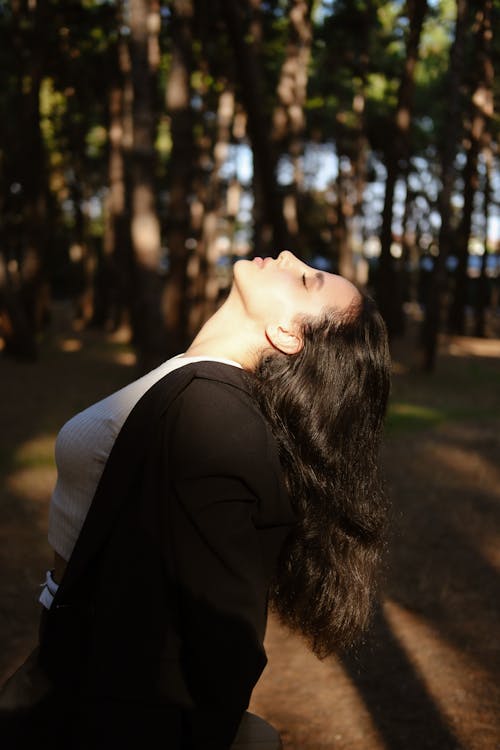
[[285, 340]]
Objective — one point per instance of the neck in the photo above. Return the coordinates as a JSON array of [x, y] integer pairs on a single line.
[[229, 334]]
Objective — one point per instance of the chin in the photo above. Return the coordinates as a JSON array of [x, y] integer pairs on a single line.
[[241, 262], [242, 277], [239, 268]]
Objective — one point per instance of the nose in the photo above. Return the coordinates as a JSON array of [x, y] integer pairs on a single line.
[[286, 257]]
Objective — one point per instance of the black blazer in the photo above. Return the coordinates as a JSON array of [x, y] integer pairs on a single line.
[[157, 628]]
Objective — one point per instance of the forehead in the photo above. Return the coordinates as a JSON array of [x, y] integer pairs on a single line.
[[335, 290]]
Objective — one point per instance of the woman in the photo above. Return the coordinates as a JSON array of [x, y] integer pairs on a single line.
[[240, 474]]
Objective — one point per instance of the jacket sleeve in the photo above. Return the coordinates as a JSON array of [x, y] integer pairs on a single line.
[[218, 458]]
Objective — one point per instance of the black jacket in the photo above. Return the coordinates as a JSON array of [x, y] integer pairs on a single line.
[[157, 628]]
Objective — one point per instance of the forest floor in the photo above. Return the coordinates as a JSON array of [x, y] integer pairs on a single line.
[[427, 675]]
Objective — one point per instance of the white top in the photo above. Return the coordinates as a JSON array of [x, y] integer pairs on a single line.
[[82, 449]]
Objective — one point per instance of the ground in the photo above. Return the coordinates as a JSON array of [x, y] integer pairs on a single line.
[[427, 675]]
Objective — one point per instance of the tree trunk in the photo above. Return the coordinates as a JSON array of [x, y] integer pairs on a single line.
[[359, 163], [81, 251], [482, 282], [432, 318], [341, 238], [178, 97], [358, 154], [207, 283], [113, 279], [289, 117], [388, 291], [481, 112], [275, 233], [111, 295], [147, 322], [25, 293]]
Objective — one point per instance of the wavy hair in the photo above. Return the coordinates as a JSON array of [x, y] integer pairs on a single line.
[[326, 407]]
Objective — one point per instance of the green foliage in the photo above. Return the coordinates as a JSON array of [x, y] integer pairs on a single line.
[[163, 141], [358, 49], [431, 75], [95, 141]]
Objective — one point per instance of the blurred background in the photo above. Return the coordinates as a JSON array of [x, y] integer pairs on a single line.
[[144, 147]]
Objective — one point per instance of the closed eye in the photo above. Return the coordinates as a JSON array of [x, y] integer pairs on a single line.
[[304, 280]]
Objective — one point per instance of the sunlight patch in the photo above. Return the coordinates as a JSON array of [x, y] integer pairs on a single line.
[[70, 345], [34, 485], [466, 346], [34, 453], [128, 359], [426, 647], [299, 709], [408, 416]]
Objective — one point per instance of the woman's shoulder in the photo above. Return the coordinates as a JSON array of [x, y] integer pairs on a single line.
[[209, 373], [215, 412], [216, 429], [203, 384], [220, 394]]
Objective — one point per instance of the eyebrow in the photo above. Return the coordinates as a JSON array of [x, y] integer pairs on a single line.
[[319, 277]]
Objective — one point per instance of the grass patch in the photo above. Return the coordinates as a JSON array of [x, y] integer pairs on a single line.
[[35, 453], [35, 461], [407, 417], [461, 389]]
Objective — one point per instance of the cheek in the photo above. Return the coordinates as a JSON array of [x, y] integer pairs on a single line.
[[288, 301]]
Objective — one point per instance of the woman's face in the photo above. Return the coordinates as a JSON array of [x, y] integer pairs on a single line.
[[279, 290]]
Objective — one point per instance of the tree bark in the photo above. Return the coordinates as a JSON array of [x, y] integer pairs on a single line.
[[111, 297], [341, 234], [482, 282], [359, 165], [481, 111], [388, 286], [432, 318], [275, 235], [25, 292], [147, 322], [178, 98], [289, 117], [206, 283]]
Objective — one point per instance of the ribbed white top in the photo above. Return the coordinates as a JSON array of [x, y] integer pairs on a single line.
[[83, 446]]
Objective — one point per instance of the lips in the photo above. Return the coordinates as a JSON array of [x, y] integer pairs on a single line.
[[261, 262]]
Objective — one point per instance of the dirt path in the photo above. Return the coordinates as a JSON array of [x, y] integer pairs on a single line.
[[428, 674]]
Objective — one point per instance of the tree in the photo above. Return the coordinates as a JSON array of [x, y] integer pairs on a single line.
[[432, 317], [147, 321], [272, 235], [389, 292], [114, 276], [125, 183], [483, 281], [23, 292], [180, 169], [355, 57], [480, 112], [289, 122]]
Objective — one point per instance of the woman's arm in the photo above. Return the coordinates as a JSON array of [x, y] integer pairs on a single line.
[[219, 472]]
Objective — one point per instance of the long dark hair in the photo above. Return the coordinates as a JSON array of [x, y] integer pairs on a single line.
[[326, 406]]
